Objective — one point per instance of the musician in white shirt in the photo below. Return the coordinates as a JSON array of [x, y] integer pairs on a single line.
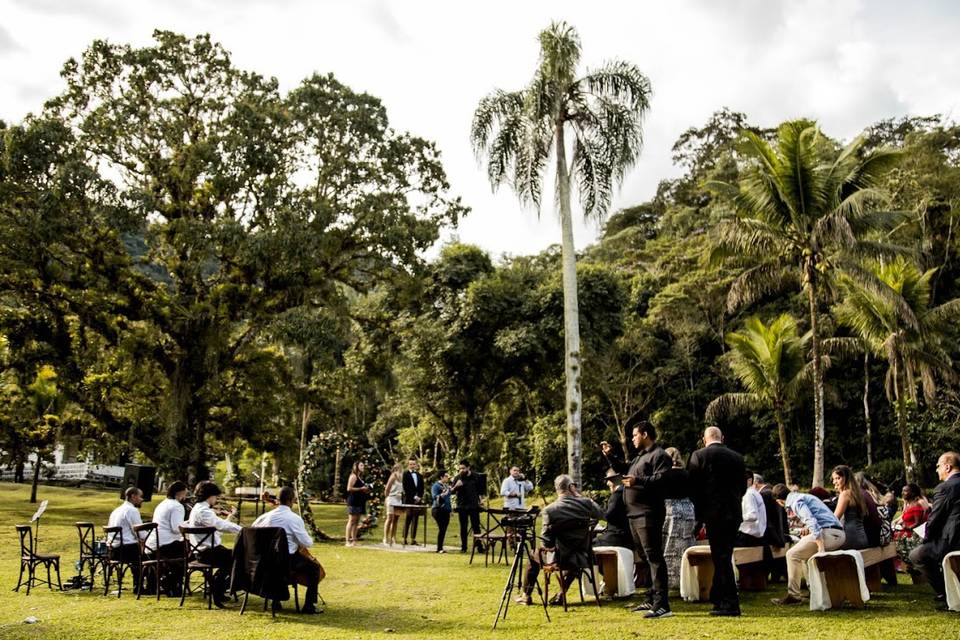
[[301, 564], [168, 516], [754, 524], [514, 488], [211, 551], [126, 516]]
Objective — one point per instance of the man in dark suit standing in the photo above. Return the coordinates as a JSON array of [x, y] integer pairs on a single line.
[[643, 495], [717, 486], [943, 526], [412, 494]]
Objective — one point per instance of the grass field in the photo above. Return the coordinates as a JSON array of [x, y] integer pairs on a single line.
[[373, 593]]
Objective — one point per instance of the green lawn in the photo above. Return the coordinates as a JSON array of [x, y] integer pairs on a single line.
[[378, 594]]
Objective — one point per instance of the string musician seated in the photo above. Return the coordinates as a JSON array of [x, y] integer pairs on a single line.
[[304, 568]]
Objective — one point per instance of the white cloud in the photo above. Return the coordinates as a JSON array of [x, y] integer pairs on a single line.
[[846, 63]]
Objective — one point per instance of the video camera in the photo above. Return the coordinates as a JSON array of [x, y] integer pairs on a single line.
[[521, 520]]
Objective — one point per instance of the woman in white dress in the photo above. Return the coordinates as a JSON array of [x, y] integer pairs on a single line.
[[394, 496]]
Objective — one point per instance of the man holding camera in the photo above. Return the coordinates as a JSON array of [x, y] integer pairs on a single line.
[[642, 479], [565, 521], [514, 488]]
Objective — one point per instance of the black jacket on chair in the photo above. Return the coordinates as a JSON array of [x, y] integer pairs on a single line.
[[261, 563], [617, 533], [943, 523], [717, 484]]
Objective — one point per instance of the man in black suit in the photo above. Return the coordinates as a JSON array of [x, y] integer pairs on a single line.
[[617, 531], [467, 489], [717, 486], [943, 526], [412, 494], [643, 495]]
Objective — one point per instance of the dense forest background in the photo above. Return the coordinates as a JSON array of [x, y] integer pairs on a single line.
[[195, 267]]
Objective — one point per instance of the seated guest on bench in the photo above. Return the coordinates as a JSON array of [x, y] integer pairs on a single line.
[[302, 564], [215, 554], [617, 532], [753, 529], [777, 533], [943, 526], [168, 516], [851, 508], [822, 532], [562, 529], [125, 547]]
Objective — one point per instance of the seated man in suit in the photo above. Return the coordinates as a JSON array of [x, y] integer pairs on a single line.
[[943, 526], [565, 521], [302, 564]]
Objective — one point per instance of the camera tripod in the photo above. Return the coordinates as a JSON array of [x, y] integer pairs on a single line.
[[516, 569]]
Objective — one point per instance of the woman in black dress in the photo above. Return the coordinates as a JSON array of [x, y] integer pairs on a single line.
[[357, 494]]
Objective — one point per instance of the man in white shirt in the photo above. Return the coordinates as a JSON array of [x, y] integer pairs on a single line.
[[168, 517], [124, 546], [301, 565], [211, 551], [754, 512], [514, 488]]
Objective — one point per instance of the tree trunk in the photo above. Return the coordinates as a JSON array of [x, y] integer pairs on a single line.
[[901, 408], [304, 422], [819, 426], [784, 454], [36, 479], [335, 493], [624, 444], [866, 406], [571, 315]]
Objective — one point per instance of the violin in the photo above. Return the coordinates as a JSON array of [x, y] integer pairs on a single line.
[[303, 551]]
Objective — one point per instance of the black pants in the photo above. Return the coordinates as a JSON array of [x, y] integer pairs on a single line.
[[221, 559], [170, 573], [410, 523], [443, 520], [473, 516], [744, 540], [929, 562], [647, 533], [130, 555], [723, 592], [308, 572]]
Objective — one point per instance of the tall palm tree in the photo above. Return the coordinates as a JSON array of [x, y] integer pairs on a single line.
[[770, 361], [917, 353], [596, 119], [804, 211]]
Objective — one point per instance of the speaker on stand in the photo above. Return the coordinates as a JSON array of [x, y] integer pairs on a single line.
[[141, 476]]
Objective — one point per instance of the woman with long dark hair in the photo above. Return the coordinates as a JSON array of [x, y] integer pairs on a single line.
[[851, 507], [357, 494]]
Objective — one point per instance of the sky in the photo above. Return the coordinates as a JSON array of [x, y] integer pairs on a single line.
[[844, 63]]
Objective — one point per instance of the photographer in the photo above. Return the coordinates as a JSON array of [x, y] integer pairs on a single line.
[[514, 488], [564, 522]]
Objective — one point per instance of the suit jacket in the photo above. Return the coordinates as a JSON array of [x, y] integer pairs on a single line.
[[943, 524], [717, 484], [412, 490], [778, 524], [617, 533], [261, 563], [566, 526]]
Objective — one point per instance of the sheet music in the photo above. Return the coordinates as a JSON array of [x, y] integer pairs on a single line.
[[40, 510]]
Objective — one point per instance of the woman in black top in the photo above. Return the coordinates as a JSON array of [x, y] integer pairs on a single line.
[[357, 494]]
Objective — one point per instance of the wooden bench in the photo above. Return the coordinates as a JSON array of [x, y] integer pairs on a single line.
[[748, 560], [841, 578]]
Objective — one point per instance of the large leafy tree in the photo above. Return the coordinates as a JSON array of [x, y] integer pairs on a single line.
[[595, 118], [770, 361], [229, 204], [804, 211], [917, 350]]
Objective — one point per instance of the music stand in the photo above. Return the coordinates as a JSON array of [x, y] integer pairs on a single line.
[[36, 518]]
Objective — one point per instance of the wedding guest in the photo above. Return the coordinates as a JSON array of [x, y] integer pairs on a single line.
[[357, 494], [678, 526], [943, 526], [393, 492], [441, 507], [211, 551], [914, 514], [851, 508]]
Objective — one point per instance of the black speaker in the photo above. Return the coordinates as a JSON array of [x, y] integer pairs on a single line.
[[140, 476]]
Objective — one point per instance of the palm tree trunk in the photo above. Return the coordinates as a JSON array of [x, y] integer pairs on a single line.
[[901, 407], [784, 454], [819, 426], [866, 406], [571, 314]]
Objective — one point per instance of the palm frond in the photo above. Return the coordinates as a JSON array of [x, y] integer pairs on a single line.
[[759, 281]]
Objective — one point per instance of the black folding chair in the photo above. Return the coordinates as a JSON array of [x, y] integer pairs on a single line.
[[30, 559], [191, 561], [114, 563], [550, 569], [90, 556], [150, 561]]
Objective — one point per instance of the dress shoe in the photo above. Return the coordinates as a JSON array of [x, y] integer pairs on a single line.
[[787, 599], [732, 613], [643, 606], [525, 600], [310, 610]]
